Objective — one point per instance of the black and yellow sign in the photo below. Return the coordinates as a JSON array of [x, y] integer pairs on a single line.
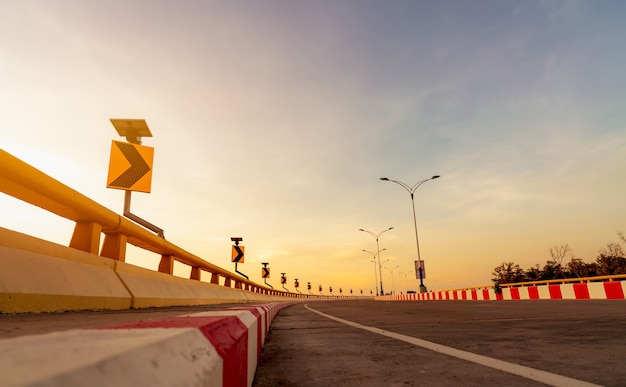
[[283, 280], [320, 288], [308, 286], [296, 284], [130, 167], [331, 289], [237, 254], [265, 272]]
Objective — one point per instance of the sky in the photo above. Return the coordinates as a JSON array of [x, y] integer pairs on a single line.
[[273, 121]]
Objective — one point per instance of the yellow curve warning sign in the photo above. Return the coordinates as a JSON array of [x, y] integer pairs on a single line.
[[130, 167]]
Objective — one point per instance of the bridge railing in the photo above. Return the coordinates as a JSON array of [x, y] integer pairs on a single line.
[[26, 183]]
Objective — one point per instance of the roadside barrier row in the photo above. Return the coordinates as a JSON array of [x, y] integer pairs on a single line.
[[24, 182], [41, 276], [215, 348], [608, 290]]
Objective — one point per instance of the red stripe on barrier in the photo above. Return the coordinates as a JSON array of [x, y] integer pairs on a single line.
[[474, 295], [581, 291], [533, 293], [228, 335], [613, 290], [485, 294], [555, 292], [514, 293]]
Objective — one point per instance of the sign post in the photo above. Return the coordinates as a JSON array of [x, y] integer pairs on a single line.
[[237, 255], [130, 165], [265, 273], [297, 285]]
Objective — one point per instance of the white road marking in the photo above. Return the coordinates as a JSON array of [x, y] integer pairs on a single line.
[[515, 369]]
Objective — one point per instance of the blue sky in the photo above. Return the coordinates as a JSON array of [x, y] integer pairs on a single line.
[[273, 120]]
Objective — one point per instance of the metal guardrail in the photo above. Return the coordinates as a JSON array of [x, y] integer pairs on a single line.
[[25, 182]]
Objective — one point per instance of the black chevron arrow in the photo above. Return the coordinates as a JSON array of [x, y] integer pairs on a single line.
[[239, 254], [138, 166], [266, 272]]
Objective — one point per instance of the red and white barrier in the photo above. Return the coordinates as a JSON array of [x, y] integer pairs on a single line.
[[216, 348], [611, 290]]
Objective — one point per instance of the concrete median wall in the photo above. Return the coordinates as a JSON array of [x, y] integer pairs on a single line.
[[217, 348], [41, 276]]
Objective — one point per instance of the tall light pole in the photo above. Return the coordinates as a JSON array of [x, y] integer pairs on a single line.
[[393, 282], [406, 288], [377, 236], [411, 190], [375, 274]]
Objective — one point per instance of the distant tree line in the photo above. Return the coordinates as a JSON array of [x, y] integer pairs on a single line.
[[611, 260]]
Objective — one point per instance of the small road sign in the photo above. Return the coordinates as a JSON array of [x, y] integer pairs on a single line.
[[265, 272], [237, 254], [420, 268]]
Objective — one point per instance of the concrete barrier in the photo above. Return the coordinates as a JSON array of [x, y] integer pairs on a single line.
[[606, 290], [41, 276], [216, 348]]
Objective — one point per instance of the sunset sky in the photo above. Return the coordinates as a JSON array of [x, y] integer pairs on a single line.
[[273, 120]]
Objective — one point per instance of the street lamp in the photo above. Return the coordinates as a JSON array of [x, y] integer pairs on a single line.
[[393, 282], [411, 190], [375, 274], [377, 236], [406, 288]]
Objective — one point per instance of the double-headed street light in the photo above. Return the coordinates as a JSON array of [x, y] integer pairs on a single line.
[[375, 273], [377, 236], [411, 190]]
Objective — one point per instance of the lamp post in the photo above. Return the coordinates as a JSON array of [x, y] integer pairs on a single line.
[[411, 190], [375, 274], [406, 288], [393, 282], [377, 236]]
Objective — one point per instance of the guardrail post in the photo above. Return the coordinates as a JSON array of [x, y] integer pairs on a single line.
[[86, 236], [167, 264], [195, 273], [215, 278], [114, 246]]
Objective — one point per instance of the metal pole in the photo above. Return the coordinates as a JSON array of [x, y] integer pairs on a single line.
[[411, 190], [376, 236], [382, 293], [417, 241], [375, 276]]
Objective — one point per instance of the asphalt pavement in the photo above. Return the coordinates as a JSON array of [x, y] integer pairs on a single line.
[[443, 343]]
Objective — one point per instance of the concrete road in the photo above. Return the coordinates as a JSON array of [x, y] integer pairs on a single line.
[[467, 343]]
